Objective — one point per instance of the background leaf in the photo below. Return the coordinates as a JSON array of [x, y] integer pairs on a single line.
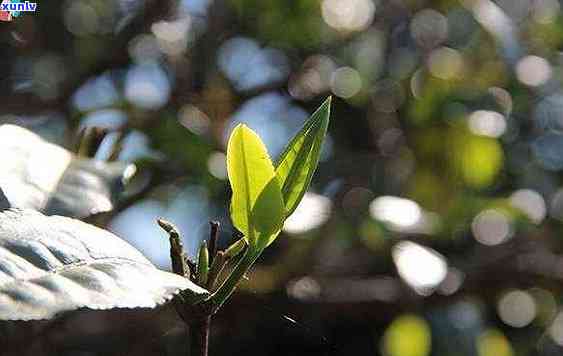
[[257, 207], [50, 265], [42, 176], [298, 162]]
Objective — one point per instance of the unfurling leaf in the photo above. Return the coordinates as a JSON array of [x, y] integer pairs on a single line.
[[298, 162], [257, 207], [50, 265]]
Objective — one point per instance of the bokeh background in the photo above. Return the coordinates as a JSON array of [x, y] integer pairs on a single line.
[[434, 222]]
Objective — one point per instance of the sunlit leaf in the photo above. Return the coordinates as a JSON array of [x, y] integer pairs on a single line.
[[50, 265], [298, 162], [257, 208], [45, 177]]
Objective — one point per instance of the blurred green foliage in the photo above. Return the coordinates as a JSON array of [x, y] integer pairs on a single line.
[[299, 19]]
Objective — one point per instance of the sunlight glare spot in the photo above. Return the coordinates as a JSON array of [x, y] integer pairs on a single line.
[[172, 35], [517, 308], [530, 203], [350, 15], [420, 267], [147, 86], [493, 19], [429, 28], [491, 227], [346, 82], [195, 120], [305, 288], [313, 211], [400, 212], [556, 329], [487, 123], [172, 31], [313, 78], [217, 165], [445, 63], [533, 71]]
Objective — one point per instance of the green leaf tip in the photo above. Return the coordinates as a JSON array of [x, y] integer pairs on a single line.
[[257, 207], [298, 162], [203, 264]]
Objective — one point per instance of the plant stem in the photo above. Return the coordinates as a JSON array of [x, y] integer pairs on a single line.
[[215, 270], [213, 239], [199, 336], [228, 287], [177, 254]]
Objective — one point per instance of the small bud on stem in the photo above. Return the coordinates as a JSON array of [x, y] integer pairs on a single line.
[[203, 265], [177, 254]]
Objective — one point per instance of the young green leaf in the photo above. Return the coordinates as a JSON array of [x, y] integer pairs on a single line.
[[299, 161], [257, 208]]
